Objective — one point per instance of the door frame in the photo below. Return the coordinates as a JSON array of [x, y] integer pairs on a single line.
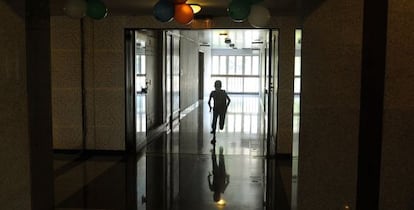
[[130, 106]]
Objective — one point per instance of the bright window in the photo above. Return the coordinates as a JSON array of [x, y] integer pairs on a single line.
[[238, 73]]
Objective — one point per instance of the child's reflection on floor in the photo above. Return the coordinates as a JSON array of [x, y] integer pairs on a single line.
[[220, 178]]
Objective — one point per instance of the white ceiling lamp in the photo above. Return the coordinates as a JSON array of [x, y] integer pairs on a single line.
[[259, 16]]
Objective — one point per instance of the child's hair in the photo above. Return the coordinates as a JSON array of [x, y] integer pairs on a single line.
[[217, 84]]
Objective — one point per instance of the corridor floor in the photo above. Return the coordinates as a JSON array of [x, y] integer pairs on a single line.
[[178, 170]]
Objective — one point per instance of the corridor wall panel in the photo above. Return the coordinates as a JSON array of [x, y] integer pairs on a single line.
[[105, 92], [397, 183], [14, 134], [330, 99], [66, 83], [189, 68], [285, 86]]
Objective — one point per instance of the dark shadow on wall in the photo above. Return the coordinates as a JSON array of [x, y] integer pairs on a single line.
[[305, 7], [282, 194], [18, 6], [278, 197]]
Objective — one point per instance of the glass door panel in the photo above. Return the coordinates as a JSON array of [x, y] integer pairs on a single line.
[[140, 87]]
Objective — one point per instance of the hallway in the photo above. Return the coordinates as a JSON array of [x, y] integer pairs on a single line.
[[174, 170]]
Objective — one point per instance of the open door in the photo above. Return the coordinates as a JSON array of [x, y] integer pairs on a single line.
[[136, 87], [144, 85], [272, 78], [141, 87], [144, 109], [130, 124], [273, 87], [200, 75], [271, 115]]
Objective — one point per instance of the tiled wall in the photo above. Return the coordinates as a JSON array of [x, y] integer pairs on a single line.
[[189, 69], [397, 183], [104, 83], [66, 83], [331, 66], [104, 64], [14, 137]]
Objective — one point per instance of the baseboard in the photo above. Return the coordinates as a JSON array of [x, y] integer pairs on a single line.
[[280, 156], [89, 152]]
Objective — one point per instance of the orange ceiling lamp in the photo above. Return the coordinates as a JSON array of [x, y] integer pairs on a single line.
[[183, 13]]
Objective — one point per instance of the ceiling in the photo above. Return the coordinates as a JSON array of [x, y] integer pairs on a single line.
[[233, 38], [212, 8]]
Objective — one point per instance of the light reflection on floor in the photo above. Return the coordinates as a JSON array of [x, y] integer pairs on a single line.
[[242, 143], [242, 133]]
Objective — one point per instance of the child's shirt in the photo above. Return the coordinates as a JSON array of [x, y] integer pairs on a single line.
[[219, 97]]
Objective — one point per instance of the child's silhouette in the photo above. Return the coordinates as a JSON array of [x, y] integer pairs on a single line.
[[221, 102]]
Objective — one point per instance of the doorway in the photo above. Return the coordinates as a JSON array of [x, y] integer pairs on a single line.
[[244, 60], [144, 87], [201, 75]]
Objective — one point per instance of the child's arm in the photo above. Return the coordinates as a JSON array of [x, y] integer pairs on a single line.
[[226, 181], [209, 100], [209, 182], [228, 100]]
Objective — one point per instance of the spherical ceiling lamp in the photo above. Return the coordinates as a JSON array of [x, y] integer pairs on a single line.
[[96, 9], [239, 10], [163, 11], [75, 8], [259, 16], [183, 13]]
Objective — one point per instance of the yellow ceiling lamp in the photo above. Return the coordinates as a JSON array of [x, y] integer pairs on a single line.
[[196, 8]]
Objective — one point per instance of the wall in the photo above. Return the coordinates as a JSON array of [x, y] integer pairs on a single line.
[[104, 80], [14, 147], [104, 83], [66, 83], [285, 86], [189, 48], [331, 66], [397, 183], [207, 70], [104, 77], [104, 66]]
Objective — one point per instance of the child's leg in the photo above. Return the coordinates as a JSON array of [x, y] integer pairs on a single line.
[[214, 124], [214, 162], [222, 118]]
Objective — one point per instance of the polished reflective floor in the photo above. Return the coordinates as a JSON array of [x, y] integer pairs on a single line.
[[178, 170]]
